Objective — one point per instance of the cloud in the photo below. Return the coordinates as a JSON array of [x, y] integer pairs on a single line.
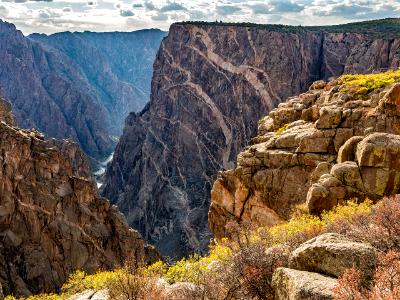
[[173, 6], [273, 7], [149, 5], [126, 13], [160, 17], [225, 10]]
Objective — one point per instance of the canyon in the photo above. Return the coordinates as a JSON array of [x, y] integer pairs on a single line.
[[77, 85], [246, 123], [212, 84]]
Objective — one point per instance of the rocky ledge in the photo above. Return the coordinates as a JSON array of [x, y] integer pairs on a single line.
[[52, 221], [322, 147]]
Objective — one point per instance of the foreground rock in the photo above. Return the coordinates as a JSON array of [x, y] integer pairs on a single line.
[[332, 254], [322, 147], [289, 284], [91, 295], [212, 83], [51, 220]]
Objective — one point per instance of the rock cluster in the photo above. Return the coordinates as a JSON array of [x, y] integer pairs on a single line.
[[322, 147], [52, 221]]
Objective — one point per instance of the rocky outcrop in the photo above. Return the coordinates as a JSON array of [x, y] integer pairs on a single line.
[[331, 254], [211, 85], [52, 221], [323, 147], [292, 284], [316, 264], [71, 85]]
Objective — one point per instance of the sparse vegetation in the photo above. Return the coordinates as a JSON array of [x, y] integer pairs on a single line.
[[360, 85], [385, 284], [241, 266]]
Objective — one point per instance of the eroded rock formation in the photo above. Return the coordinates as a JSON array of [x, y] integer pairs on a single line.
[[211, 85], [323, 146], [52, 221]]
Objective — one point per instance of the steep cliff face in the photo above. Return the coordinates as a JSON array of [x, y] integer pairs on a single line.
[[117, 65], [71, 85], [52, 221], [320, 148], [210, 87]]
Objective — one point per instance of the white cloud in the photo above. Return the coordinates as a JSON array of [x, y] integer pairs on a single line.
[[126, 15]]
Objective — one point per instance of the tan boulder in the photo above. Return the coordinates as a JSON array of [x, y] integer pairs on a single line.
[[348, 149], [391, 102], [289, 284], [329, 117], [379, 150], [332, 254], [349, 174]]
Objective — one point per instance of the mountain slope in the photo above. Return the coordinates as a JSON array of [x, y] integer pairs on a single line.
[[117, 65], [75, 90], [211, 85]]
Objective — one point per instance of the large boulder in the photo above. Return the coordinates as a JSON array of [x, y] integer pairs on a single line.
[[289, 284], [332, 254]]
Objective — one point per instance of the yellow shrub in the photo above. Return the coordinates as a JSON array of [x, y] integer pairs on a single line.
[[302, 222], [362, 84], [346, 211], [194, 268], [282, 129], [80, 281], [40, 297], [296, 225], [157, 269]]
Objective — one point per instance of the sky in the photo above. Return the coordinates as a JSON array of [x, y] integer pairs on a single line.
[[49, 16]]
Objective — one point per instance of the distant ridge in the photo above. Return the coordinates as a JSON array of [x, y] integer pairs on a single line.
[[390, 27]]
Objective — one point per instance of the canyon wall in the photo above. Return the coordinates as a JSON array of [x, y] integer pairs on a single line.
[[71, 85], [52, 222], [212, 84]]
